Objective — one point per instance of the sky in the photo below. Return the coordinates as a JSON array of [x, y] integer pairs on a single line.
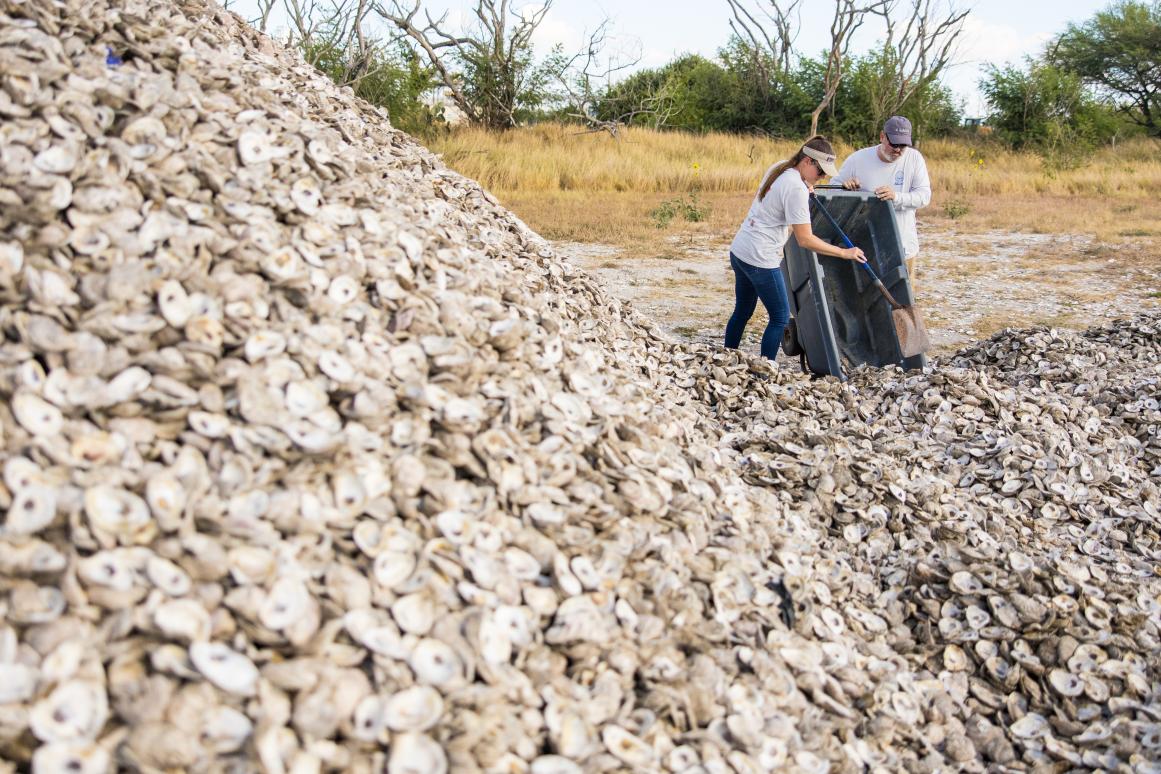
[[654, 32]]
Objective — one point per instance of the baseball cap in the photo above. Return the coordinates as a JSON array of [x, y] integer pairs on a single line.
[[898, 130], [825, 160]]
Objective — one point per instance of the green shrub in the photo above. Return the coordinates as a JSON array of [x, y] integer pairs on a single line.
[[955, 208], [690, 209]]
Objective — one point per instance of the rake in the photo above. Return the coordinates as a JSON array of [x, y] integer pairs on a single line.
[[909, 327]]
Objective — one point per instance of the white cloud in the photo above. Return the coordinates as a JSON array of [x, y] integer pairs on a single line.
[[656, 57], [554, 30], [987, 43]]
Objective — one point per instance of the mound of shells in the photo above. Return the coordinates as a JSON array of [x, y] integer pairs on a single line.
[[315, 458], [996, 525]]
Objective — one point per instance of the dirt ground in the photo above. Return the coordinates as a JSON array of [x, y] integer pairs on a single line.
[[970, 285]]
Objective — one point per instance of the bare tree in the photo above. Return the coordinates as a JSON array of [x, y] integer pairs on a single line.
[[924, 48], [338, 38], [771, 29], [487, 71], [849, 15], [334, 38], [918, 46], [433, 49], [583, 76], [264, 7]]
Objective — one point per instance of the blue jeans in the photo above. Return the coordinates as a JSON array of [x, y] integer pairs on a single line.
[[750, 284]]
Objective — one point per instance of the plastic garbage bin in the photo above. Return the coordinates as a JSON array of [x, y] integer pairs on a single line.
[[840, 318]]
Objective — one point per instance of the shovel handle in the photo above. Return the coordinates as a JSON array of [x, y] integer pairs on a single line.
[[866, 265], [846, 240]]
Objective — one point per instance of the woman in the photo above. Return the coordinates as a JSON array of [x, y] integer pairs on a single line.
[[781, 206]]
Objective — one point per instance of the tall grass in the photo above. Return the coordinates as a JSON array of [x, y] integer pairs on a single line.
[[553, 157], [557, 158]]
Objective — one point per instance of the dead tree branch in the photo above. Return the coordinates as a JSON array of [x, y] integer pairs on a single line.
[[926, 45], [771, 30], [487, 71], [849, 15], [435, 44], [582, 76], [264, 8], [917, 47]]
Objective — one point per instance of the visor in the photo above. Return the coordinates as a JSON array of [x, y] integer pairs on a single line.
[[825, 160]]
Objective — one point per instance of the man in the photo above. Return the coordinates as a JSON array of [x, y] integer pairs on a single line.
[[896, 173]]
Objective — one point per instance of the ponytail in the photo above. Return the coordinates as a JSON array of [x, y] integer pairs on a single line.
[[817, 142]]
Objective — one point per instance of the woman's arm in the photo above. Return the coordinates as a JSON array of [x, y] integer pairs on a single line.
[[806, 239]]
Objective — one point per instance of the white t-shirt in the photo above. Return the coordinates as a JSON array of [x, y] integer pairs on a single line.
[[766, 228], [907, 175]]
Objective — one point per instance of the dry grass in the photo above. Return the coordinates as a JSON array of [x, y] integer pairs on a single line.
[[552, 157], [621, 219], [592, 188], [1108, 219], [1131, 170]]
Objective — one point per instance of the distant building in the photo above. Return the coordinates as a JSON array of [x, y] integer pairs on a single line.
[[439, 100], [978, 125]]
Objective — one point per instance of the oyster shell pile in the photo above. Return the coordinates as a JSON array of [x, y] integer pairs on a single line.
[[995, 523], [315, 458]]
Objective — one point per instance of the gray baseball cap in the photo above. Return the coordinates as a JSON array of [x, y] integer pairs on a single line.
[[898, 130]]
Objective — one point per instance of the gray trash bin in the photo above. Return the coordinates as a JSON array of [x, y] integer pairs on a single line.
[[840, 318]]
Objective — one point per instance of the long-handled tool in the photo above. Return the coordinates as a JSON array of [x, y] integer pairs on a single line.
[[909, 327]]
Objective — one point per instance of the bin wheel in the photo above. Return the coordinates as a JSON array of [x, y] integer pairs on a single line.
[[790, 343]]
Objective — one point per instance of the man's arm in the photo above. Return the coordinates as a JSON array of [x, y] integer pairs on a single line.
[[846, 177], [920, 193]]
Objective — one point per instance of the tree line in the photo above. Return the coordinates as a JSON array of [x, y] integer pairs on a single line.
[[1095, 83]]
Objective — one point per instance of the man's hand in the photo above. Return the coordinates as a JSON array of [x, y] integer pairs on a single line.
[[852, 184], [885, 193]]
